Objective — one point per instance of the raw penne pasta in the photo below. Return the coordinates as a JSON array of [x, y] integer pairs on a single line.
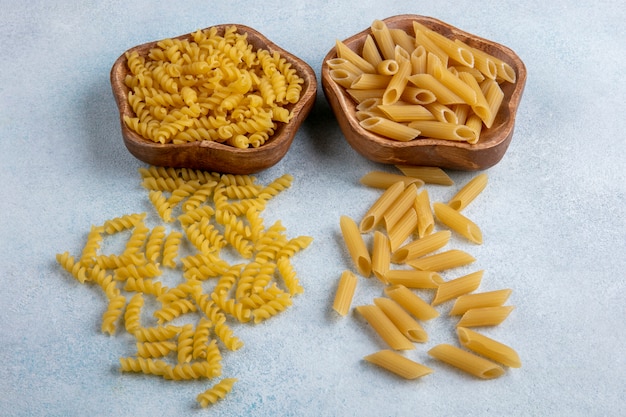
[[457, 51], [411, 302], [503, 70], [359, 95], [367, 81], [356, 245], [401, 206], [488, 347], [388, 67], [402, 38], [418, 59], [462, 112], [466, 361], [443, 130], [383, 38], [479, 76], [344, 64], [390, 129], [429, 82], [370, 105], [384, 327], [398, 364], [416, 95], [479, 300], [476, 124], [342, 77], [456, 287], [468, 192], [441, 261], [401, 230], [370, 52], [366, 114], [494, 97], [442, 113], [384, 180], [381, 255], [480, 107], [430, 175], [376, 211], [406, 112], [485, 316], [430, 47], [483, 62], [398, 82], [346, 53], [421, 246], [458, 222], [411, 278], [407, 325], [424, 212], [345, 293], [455, 84]]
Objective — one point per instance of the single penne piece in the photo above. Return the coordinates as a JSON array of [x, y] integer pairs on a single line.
[[420, 247], [376, 211], [397, 83], [479, 76], [482, 61], [370, 51], [503, 70], [462, 112], [400, 207], [481, 107], [402, 38], [400, 232], [494, 96], [458, 222], [411, 302], [345, 293], [468, 192], [407, 325], [369, 105], [390, 129], [441, 130], [406, 112], [442, 113], [398, 364], [488, 347], [479, 300], [457, 51], [454, 83], [366, 114], [384, 327], [466, 361], [485, 316], [429, 82], [383, 39], [456, 287], [425, 218], [384, 180], [344, 64], [367, 81], [342, 77], [418, 58], [430, 46], [416, 95], [430, 175], [411, 278], [381, 255], [387, 67], [346, 53], [441, 261], [356, 245], [363, 94], [476, 124]]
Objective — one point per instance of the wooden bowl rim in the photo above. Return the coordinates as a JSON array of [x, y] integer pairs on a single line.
[[504, 53], [280, 141]]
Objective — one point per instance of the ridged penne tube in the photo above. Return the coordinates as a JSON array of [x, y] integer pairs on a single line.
[[418, 96], [442, 130], [381, 255], [384, 180], [429, 82], [466, 361], [485, 316], [430, 47], [342, 63], [388, 67], [442, 113], [494, 97], [411, 278], [503, 70], [370, 51], [424, 212], [384, 327], [345, 293], [390, 129], [458, 86], [483, 62], [346, 53], [468, 192], [367, 81], [398, 364], [430, 175], [411, 302], [356, 245], [376, 211], [418, 59], [407, 325], [404, 228], [383, 39], [342, 77], [398, 82], [363, 94], [458, 222], [456, 287], [422, 246], [457, 51], [406, 112], [480, 107], [441, 261], [398, 209], [370, 105], [479, 300], [462, 111], [402, 39], [476, 124], [488, 347]]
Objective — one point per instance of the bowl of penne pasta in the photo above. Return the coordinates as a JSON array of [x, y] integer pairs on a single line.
[[224, 99], [413, 90]]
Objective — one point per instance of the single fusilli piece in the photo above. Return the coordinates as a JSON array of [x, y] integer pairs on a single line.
[[113, 313], [155, 349], [154, 243], [144, 365], [156, 333], [171, 245], [132, 316], [185, 344], [216, 392], [124, 222]]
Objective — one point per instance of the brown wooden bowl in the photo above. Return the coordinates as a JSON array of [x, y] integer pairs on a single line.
[[210, 155], [493, 142]]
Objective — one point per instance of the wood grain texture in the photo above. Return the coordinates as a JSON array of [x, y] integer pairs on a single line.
[[493, 142], [209, 155]]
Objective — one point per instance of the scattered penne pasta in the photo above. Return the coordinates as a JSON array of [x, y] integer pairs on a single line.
[[479, 300], [484, 316], [468, 192], [458, 222], [488, 347], [411, 278], [456, 287], [422, 246], [384, 180], [411, 302], [345, 293], [466, 361], [407, 325], [398, 364], [384, 327], [449, 259], [356, 246]]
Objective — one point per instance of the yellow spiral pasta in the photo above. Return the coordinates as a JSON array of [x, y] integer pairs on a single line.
[[155, 349], [216, 392], [132, 315], [143, 365]]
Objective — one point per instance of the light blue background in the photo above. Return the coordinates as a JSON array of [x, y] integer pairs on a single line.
[[552, 215]]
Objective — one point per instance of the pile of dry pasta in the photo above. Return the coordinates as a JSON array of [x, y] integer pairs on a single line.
[[408, 253], [421, 84], [226, 266], [210, 87]]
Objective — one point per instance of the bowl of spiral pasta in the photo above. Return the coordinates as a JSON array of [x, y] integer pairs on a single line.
[[224, 99], [413, 90]]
